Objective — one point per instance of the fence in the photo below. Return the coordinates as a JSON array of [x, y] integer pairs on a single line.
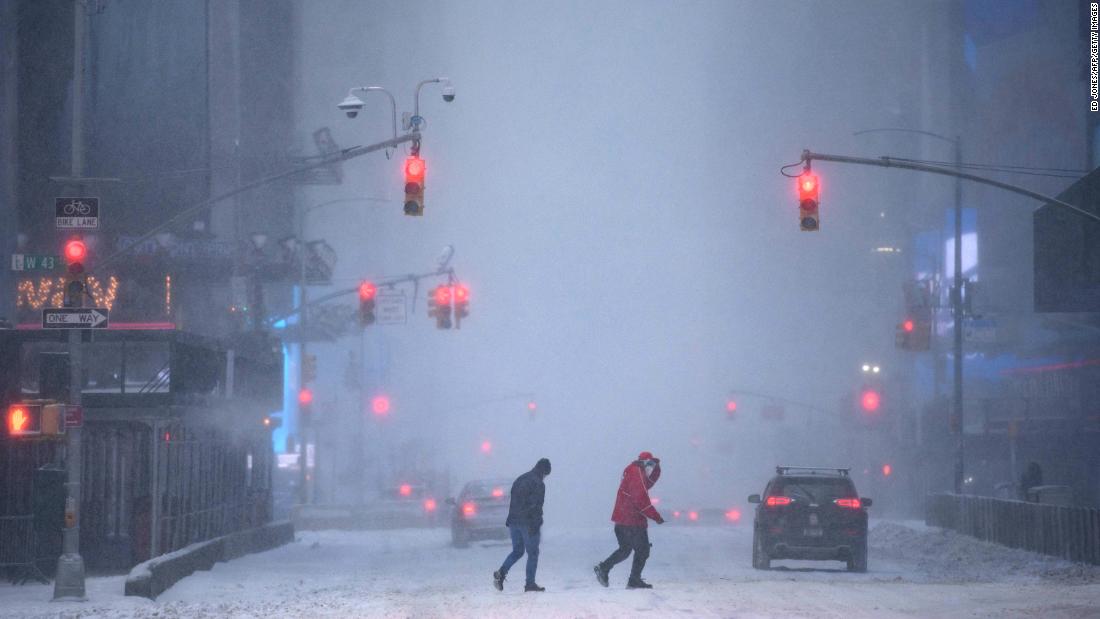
[[1072, 533]]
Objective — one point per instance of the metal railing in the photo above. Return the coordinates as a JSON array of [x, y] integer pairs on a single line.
[[1072, 533]]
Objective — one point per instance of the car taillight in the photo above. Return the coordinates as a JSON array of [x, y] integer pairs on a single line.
[[498, 492], [676, 514], [693, 516], [849, 503], [775, 501], [429, 505], [404, 490], [733, 515], [469, 509]]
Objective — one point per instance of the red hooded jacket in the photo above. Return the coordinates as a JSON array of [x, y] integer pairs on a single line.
[[632, 504]]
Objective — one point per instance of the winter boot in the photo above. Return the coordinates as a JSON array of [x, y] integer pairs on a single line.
[[601, 574], [533, 587], [498, 580], [638, 583]]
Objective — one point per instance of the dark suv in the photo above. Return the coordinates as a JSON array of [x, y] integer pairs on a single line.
[[810, 513]]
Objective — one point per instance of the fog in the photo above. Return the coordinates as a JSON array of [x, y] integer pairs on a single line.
[[609, 177]]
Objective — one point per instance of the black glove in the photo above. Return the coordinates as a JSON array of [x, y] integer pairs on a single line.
[[660, 520]]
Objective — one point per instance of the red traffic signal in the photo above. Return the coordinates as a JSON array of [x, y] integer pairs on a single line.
[[439, 306], [442, 295], [305, 396], [461, 295], [415, 169], [870, 400], [914, 334], [75, 251], [808, 187], [367, 292]]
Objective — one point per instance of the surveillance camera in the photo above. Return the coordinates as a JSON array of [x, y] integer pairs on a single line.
[[448, 91], [351, 105]]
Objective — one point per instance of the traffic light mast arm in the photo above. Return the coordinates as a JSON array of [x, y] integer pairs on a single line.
[[891, 162], [412, 278], [344, 155], [781, 399]]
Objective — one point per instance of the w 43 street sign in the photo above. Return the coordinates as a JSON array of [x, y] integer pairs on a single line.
[[29, 262]]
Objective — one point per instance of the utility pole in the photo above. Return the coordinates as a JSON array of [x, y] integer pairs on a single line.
[[957, 321], [303, 318], [69, 583]]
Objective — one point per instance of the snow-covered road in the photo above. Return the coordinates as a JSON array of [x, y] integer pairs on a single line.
[[697, 572]]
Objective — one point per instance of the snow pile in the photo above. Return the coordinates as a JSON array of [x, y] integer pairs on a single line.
[[943, 555]]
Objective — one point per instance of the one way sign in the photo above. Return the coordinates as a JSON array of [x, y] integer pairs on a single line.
[[75, 318]]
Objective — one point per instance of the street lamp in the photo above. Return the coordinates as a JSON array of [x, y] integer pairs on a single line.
[[956, 300]]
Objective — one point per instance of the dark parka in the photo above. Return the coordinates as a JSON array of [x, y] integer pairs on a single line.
[[528, 493]]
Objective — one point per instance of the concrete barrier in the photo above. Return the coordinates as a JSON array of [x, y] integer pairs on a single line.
[[155, 576], [1072, 533]]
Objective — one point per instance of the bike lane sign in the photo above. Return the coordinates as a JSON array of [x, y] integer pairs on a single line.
[[72, 213]]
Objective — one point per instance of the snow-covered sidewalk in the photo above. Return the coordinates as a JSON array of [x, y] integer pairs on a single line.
[[701, 572]]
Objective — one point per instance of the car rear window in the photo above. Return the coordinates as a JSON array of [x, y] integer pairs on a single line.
[[813, 489], [486, 489]]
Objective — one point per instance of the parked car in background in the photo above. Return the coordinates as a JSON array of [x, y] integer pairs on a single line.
[[479, 511]]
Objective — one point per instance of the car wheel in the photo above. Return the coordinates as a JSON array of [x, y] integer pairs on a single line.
[[858, 561], [460, 538], [760, 558]]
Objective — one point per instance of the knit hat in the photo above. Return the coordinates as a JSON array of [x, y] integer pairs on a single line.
[[645, 455]]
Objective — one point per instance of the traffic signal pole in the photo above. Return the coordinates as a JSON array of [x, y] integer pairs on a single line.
[[956, 320], [69, 581], [956, 289]]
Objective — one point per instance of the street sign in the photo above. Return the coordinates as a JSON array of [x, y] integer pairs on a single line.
[[74, 416], [29, 262], [390, 308], [75, 318], [980, 330], [76, 212]]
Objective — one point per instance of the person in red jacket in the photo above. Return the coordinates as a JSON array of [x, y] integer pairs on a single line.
[[632, 507]]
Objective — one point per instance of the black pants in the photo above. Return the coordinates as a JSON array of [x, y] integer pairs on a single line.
[[634, 539]]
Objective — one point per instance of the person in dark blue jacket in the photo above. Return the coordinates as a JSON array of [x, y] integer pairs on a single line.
[[524, 523]]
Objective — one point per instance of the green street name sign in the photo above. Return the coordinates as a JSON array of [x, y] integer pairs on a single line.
[[29, 262]]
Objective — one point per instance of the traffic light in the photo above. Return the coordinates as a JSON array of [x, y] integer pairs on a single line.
[[380, 404], [808, 185], [414, 186], [439, 306], [870, 400], [75, 252], [305, 401], [461, 303], [24, 420], [367, 292], [914, 333]]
